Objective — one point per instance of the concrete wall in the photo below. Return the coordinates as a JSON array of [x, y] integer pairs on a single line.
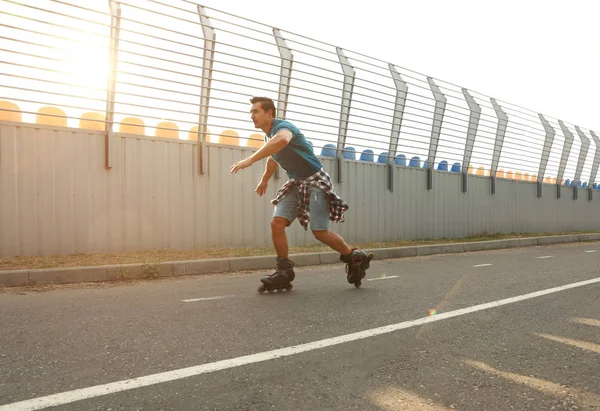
[[56, 197]]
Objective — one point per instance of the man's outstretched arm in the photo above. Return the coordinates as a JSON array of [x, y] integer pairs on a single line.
[[277, 143], [270, 168]]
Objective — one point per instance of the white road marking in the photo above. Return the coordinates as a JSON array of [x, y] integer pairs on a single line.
[[383, 278], [191, 300], [591, 251], [482, 265], [546, 256], [124, 385]]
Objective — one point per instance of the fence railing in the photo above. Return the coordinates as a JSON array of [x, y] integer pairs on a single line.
[[178, 69]]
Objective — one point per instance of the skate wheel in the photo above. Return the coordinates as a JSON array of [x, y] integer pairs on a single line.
[[357, 284], [289, 287], [261, 289]]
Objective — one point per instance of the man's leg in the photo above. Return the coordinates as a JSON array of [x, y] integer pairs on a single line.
[[333, 240], [284, 214], [279, 237], [319, 224]]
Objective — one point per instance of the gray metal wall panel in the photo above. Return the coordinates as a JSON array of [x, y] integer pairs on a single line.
[[9, 205], [63, 183], [201, 216], [146, 182], [65, 201], [114, 207], [47, 193], [98, 192], [130, 195], [173, 197], [81, 193], [28, 215], [214, 180]]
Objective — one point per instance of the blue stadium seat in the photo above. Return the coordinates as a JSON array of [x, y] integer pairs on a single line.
[[349, 153], [367, 155], [443, 166], [455, 168], [328, 150], [383, 157], [415, 162], [400, 160]]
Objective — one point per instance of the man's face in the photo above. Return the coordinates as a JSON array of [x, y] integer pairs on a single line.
[[258, 115]]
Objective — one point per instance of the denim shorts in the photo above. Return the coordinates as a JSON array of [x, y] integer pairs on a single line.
[[318, 207]]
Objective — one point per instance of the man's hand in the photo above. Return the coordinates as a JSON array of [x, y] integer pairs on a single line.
[[240, 165], [261, 188]]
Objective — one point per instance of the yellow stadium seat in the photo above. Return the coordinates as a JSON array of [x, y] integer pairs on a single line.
[[470, 169], [132, 125], [519, 176], [256, 141], [229, 137], [500, 173], [193, 134], [547, 180], [480, 171], [526, 177], [51, 116], [166, 129], [92, 121], [510, 175], [553, 180], [10, 115], [534, 178]]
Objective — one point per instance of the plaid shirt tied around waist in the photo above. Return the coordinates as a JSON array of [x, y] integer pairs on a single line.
[[337, 206]]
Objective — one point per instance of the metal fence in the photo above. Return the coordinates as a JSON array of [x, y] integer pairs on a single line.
[[182, 70]]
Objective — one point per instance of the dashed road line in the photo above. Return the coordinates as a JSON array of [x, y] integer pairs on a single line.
[[192, 300], [384, 278]]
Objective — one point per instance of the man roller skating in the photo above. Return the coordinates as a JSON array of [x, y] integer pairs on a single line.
[[309, 188]]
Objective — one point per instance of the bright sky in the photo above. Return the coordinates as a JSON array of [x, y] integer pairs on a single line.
[[543, 56]]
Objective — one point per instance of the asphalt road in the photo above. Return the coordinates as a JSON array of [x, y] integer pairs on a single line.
[[213, 343]]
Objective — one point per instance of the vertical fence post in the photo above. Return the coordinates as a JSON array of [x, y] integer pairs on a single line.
[[349, 76], [207, 71], [115, 31], [285, 77], [436, 129], [548, 141], [565, 153], [585, 146], [401, 91], [500, 132], [596, 161], [474, 117]]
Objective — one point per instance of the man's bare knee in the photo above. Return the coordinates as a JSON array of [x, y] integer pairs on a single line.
[[320, 234], [279, 224]]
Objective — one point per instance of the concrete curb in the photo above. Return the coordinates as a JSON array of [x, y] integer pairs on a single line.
[[14, 278]]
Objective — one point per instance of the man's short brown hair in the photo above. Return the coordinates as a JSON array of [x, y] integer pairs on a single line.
[[265, 103]]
